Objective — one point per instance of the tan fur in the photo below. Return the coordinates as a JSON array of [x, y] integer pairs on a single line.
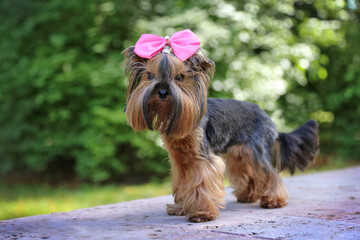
[[197, 182], [251, 182], [134, 115], [278, 159]]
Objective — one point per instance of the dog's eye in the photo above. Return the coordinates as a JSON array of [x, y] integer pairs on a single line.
[[150, 76], [179, 77]]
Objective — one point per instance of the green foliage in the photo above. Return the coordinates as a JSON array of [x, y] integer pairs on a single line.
[[332, 93], [62, 88], [341, 94]]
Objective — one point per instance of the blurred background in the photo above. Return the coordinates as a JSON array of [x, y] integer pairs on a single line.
[[64, 140]]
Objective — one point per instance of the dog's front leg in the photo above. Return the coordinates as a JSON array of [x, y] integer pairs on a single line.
[[197, 188], [177, 180], [197, 181], [203, 189]]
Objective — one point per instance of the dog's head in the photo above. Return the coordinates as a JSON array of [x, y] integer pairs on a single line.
[[165, 93]]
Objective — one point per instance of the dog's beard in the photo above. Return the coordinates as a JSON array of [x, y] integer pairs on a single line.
[[157, 113], [176, 116]]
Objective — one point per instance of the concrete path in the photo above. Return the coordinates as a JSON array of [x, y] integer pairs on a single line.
[[321, 206]]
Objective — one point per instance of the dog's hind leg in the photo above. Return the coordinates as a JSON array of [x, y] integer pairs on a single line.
[[251, 180], [275, 193], [240, 173]]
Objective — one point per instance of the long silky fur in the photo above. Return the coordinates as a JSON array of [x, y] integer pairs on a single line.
[[145, 108], [298, 148], [176, 111], [181, 113], [135, 66]]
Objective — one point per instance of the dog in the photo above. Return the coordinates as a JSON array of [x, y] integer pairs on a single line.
[[167, 92]]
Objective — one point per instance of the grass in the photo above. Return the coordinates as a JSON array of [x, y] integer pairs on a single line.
[[20, 200], [25, 200]]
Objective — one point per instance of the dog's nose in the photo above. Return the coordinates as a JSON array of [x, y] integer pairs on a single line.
[[163, 93]]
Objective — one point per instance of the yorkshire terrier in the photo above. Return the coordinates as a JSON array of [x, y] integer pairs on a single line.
[[168, 92]]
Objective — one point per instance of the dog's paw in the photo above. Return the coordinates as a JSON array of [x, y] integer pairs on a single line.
[[267, 202], [175, 209], [200, 217]]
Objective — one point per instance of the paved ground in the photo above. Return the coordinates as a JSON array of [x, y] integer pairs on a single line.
[[321, 206]]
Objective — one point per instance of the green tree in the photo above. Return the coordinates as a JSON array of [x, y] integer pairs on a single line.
[[63, 89]]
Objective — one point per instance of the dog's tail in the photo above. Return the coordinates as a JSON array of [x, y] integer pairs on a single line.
[[297, 148]]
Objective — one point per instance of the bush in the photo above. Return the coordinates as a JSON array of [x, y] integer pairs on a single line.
[[63, 89]]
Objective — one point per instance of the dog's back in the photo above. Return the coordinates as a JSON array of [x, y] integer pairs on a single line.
[[230, 122]]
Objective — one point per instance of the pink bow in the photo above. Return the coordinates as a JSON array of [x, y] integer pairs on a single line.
[[184, 44]]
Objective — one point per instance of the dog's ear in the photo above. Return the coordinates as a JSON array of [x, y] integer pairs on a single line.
[[135, 66], [128, 52], [202, 67], [201, 63], [131, 58]]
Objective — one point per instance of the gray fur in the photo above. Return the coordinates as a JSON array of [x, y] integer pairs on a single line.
[[230, 122]]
